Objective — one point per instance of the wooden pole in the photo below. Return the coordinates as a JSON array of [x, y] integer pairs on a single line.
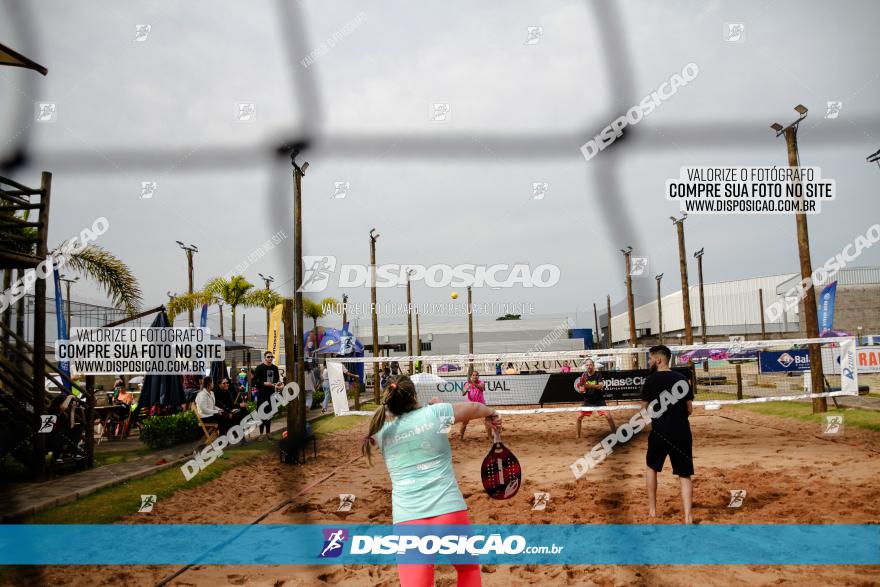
[[189, 263], [685, 290], [703, 335], [409, 324], [376, 353], [659, 308], [633, 338], [739, 381], [39, 372], [811, 317], [610, 342], [761, 308], [418, 337], [470, 313], [294, 415]]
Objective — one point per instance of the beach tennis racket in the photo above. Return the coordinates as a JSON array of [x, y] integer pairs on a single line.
[[500, 472]]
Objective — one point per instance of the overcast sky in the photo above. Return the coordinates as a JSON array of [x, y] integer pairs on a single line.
[[459, 191]]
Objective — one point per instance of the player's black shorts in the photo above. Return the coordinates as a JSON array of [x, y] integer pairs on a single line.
[[679, 448], [594, 400]]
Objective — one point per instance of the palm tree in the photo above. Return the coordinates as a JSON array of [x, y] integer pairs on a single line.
[[234, 292], [111, 274], [265, 298], [315, 310], [189, 301]]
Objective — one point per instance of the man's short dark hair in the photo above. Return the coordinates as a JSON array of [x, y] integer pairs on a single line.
[[267, 353], [662, 350]]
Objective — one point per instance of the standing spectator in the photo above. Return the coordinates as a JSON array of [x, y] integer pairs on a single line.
[[566, 368], [325, 387], [310, 384], [265, 382]]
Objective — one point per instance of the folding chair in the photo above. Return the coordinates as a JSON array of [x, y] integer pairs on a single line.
[[210, 429]]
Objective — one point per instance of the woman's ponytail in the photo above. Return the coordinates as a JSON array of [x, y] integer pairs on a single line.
[[398, 398]]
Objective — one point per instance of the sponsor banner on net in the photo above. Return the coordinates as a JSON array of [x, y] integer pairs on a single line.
[[500, 390], [128, 350], [374, 544], [750, 190]]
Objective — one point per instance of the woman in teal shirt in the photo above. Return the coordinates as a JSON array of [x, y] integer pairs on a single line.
[[414, 441]]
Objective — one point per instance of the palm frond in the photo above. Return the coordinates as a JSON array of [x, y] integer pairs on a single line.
[[263, 298], [188, 301], [110, 273], [232, 291]]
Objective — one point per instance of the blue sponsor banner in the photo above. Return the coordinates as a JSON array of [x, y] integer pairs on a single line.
[[781, 361], [203, 319], [765, 544], [826, 307]]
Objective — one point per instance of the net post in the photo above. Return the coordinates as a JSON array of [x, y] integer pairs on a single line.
[[739, 382]]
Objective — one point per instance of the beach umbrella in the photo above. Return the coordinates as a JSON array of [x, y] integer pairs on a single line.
[[161, 390]]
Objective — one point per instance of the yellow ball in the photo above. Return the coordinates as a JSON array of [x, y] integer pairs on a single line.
[[454, 295]]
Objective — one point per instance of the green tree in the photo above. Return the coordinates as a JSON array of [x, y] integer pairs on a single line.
[[234, 292], [110, 273]]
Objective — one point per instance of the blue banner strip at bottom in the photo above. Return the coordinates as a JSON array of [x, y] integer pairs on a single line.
[[159, 544]]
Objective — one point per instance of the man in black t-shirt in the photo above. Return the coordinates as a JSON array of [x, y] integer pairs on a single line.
[[266, 381], [669, 401]]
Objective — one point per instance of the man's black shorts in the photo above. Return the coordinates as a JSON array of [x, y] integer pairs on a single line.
[[679, 448]]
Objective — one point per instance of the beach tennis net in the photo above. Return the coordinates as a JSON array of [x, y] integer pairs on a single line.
[[535, 382]]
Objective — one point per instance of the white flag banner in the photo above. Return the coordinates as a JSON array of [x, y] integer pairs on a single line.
[[849, 374], [338, 393]]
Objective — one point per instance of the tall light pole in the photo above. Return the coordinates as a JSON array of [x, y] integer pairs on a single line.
[[596, 322], [683, 269], [189, 249], [633, 339], [68, 281], [344, 313], [610, 342], [376, 353], [810, 311], [267, 279], [418, 337], [659, 278], [409, 331], [698, 255], [296, 419]]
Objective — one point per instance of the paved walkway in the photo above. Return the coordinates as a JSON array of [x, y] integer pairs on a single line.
[[25, 499]]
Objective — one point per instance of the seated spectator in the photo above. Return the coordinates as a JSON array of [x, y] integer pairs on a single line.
[[118, 385], [191, 385], [566, 368], [207, 408], [123, 397], [510, 370], [223, 399]]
